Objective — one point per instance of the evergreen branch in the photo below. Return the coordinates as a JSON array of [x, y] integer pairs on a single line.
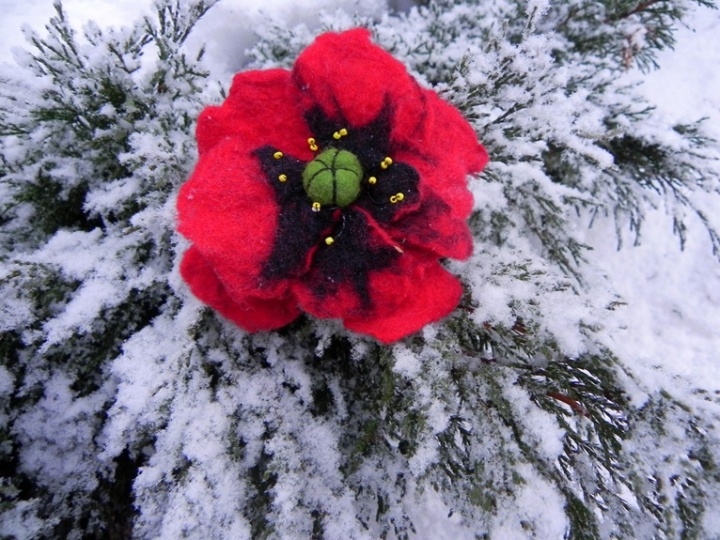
[[304, 431], [642, 6]]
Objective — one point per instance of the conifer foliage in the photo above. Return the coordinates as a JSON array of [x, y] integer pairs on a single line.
[[129, 409]]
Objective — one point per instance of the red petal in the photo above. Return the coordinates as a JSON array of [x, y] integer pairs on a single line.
[[436, 228], [434, 294], [252, 314], [260, 110], [333, 287], [228, 211], [350, 78], [447, 138], [445, 151], [415, 290]]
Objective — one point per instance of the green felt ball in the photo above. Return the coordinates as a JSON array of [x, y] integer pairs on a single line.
[[333, 178]]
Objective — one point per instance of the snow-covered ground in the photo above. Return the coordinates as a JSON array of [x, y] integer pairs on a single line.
[[673, 296]]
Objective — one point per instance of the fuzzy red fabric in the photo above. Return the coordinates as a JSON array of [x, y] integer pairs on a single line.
[[262, 253]]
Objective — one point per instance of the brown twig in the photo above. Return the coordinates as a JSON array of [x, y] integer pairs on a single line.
[[574, 405]]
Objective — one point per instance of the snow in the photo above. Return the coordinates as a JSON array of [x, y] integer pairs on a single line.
[[227, 30], [54, 428], [406, 363], [539, 503], [673, 295], [670, 322], [541, 427], [686, 85]]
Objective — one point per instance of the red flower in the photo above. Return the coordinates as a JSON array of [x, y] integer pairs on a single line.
[[332, 189]]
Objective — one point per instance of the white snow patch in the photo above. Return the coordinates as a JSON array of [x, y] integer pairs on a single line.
[[407, 364], [7, 381], [538, 511], [540, 425]]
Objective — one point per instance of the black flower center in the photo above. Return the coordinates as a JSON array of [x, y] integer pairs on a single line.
[[323, 231]]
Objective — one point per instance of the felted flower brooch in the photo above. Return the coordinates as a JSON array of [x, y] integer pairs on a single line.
[[332, 189]]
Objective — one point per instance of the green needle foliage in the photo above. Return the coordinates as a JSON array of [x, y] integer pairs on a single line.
[[131, 410]]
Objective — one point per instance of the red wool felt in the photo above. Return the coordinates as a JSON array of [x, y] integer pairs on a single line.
[[349, 77], [436, 292], [263, 252], [433, 227], [253, 314], [231, 218], [261, 109], [368, 251]]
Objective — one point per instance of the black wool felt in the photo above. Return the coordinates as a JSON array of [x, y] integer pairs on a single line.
[[351, 254], [350, 259], [299, 228], [398, 178], [371, 145]]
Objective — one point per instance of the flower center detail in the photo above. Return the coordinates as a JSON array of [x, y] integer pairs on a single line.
[[333, 178]]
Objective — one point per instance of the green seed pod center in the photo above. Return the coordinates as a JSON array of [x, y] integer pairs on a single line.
[[333, 178]]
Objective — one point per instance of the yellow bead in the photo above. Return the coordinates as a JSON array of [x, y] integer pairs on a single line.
[[329, 241], [343, 132], [336, 135], [372, 180], [399, 197], [312, 144], [278, 155], [386, 163], [316, 207], [283, 177]]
